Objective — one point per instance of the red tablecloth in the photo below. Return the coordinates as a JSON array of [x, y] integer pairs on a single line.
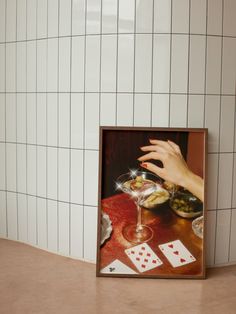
[[167, 226]]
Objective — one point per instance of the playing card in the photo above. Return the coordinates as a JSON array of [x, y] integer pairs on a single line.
[[143, 257], [176, 253], [117, 267]]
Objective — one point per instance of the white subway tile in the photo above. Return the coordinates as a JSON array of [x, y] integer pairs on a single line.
[[31, 118], [64, 228], [11, 20], [77, 120], [196, 106], [108, 63], [41, 171], [11, 167], [212, 181], [229, 18], [3, 215], [52, 65], [22, 217], [234, 183], [2, 166], [125, 109], [11, 117], [63, 174], [225, 180], [11, 67], [77, 68], [90, 233], [91, 121], [93, 16], [77, 230], [222, 236], [92, 65], [64, 64], [212, 121], [126, 16], [21, 117], [180, 16], [2, 67], [42, 19], [91, 178], [52, 168], [21, 67], [41, 118], [12, 228], [142, 110], [162, 16], [161, 63], [64, 18], [52, 119], [214, 17], [41, 65], [178, 110], [213, 68], [232, 253], [179, 64], [229, 66], [76, 175], [31, 169], [143, 62], [64, 120], [198, 17], [32, 219], [21, 19], [160, 110], [31, 66], [31, 19], [125, 63], [21, 168], [2, 117], [78, 17], [109, 16], [227, 123], [108, 109], [144, 14], [53, 18], [52, 225], [2, 20], [210, 237], [197, 64], [42, 223]]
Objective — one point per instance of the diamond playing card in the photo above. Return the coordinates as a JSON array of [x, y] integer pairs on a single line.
[[143, 257], [176, 253], [117, 267]]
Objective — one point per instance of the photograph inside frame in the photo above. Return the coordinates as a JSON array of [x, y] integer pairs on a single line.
[[151, 203]]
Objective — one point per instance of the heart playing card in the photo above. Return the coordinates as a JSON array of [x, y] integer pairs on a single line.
[[143, 257], [176, 253]]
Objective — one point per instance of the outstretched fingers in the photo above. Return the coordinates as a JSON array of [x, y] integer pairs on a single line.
[[151, 155]]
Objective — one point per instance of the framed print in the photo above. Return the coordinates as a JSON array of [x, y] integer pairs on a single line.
[[152, 200]]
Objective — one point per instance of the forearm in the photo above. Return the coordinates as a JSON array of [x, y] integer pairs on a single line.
[[195, 185]]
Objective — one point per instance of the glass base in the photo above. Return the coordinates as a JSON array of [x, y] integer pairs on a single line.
[[133, 235]]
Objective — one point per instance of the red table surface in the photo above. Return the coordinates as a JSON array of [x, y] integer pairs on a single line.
[[167, 226]]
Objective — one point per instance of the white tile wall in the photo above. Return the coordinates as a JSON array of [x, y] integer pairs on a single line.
[[146, 62]]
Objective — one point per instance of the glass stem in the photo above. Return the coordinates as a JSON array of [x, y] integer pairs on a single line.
[[139, 219]]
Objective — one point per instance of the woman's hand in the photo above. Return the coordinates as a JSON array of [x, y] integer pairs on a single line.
[[174, 169]]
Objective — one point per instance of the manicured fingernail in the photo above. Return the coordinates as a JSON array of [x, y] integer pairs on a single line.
[[143, 165]]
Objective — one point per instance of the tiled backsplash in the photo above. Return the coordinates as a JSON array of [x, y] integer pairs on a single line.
[[67, 67]]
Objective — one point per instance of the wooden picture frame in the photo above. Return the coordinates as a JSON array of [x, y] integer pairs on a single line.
[[148, 226]]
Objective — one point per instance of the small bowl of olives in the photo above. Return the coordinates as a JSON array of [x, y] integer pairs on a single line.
[[186, 205]]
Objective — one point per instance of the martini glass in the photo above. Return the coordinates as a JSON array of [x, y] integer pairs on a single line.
[[149, 183]]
